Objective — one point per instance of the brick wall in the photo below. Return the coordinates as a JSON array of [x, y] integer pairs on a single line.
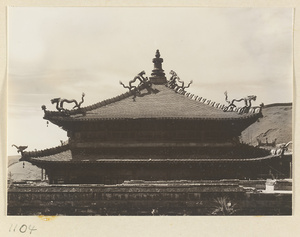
[[145, 198]]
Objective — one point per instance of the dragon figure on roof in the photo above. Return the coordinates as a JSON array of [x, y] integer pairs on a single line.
[[247, 100], [60, 103], [144, 82], [174, 80]]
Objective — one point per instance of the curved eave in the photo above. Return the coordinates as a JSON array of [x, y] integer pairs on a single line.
[[153, 161], [29, 155], [162, 107], [58, 119]]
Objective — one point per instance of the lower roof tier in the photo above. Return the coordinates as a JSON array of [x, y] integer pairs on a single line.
[[63, 155]]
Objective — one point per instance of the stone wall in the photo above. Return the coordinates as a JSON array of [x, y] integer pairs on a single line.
[[146, 198]]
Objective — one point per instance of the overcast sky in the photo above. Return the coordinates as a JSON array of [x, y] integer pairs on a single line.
[[62, 52]]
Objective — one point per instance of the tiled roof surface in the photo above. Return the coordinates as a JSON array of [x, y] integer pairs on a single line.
[[166, 103], [50, 152], [62, 156], [66, 157]]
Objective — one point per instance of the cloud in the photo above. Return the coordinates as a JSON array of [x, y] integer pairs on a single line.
[[62, 52]]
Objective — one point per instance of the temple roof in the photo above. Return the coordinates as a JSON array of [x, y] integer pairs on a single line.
[[162, 102], [153, 98]]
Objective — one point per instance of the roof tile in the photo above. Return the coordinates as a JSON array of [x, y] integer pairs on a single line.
[[164, 104]]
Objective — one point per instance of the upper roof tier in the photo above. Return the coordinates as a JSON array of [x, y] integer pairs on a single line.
[[153, 98]]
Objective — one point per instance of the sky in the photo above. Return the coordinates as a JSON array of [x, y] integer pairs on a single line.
[[62, 52]]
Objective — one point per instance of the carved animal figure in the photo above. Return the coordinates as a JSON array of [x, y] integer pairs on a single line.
[[260, 143], [20, 148], [60, 103], [280, 148], [173, 83], [136, 89], [247, 100]]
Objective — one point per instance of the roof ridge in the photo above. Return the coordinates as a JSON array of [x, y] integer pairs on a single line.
[[106, 102], [100, 104], [225, 108], [85, 109], [178, 89], [26, 155]]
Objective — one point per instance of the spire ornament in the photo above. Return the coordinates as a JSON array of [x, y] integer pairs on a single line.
[[157, 54], [158, 75]]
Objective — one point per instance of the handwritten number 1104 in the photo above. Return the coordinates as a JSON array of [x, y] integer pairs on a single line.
[[22, 229]]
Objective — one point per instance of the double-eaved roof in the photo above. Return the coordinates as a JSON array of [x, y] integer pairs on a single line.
[[154, 98]]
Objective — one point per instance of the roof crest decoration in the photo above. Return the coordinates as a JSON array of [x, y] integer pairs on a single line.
[[141, 82], [247, 100], [20, 149], [145, 83], [172, 83], [83, 110], [174, 80], [60, 103]]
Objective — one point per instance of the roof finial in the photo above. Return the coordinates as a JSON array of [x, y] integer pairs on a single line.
[[157, 55], [158, 75]]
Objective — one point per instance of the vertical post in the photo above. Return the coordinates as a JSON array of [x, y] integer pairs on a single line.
[[291, 170], [42, 176]]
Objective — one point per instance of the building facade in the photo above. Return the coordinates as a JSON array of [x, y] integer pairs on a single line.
[[154, 131]]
